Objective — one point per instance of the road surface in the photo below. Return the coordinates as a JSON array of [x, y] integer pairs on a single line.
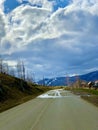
[[55, 110]]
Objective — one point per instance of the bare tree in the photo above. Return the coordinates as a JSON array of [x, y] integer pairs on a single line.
[[43, 81], [67, 80], [21, 70], [5, 68], [78, 82], [29, 77], [1, 65]]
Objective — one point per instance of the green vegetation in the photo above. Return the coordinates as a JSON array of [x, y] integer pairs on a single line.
[[85, 90], [14, 91], [90, 95], [90, 91]]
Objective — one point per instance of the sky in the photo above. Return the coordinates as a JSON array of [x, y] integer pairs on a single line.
[[52, 37]]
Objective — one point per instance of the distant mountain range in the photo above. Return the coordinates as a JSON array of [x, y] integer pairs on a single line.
[[62, 81]]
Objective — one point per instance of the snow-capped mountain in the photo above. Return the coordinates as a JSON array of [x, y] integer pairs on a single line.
[[62, 81]]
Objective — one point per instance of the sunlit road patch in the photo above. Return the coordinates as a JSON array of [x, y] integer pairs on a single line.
[[59, 93]]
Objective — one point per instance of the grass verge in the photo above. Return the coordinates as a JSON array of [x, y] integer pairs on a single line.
[[12, 102], [15, 91], [89, 95]]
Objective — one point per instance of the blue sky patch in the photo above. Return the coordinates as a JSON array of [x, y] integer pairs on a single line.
[[9, 5], [60, 4]]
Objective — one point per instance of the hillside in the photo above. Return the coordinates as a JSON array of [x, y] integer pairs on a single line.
[[63, 81], [14, 91]]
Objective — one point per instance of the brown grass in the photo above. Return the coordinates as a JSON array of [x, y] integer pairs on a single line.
[[89, 95], [14, 91]]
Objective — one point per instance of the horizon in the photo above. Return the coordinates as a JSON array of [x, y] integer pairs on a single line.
[[70, 76]]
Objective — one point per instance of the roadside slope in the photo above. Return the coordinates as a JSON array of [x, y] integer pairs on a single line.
[[14, 91]]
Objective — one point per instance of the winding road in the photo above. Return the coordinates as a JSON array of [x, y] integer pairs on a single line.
[[54, 110]]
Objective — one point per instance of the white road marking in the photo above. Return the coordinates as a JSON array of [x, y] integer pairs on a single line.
[[59, 93]]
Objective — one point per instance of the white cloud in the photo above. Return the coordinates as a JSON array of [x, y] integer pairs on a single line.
[[2, 25], [86, 5], [39, 3], [2, 4], [25, 25], [11, 62], [20, 1], [44, 3], [65, 40]]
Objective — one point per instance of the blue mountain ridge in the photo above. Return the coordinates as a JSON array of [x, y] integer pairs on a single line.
[[63, 81]]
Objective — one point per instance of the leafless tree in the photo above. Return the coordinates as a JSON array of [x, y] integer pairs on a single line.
[[21, 69], [5, 68], [78, 82], [1, 65], [29, 77], [44, 84], [67, 80]]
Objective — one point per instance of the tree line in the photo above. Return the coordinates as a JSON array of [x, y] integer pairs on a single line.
[[18, 70]]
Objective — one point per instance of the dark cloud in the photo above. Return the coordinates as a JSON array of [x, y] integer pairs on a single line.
[[2, 27]]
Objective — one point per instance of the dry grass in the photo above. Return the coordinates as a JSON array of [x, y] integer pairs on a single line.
[[14, 91], [19, 98], [89, 95], [92, 99]]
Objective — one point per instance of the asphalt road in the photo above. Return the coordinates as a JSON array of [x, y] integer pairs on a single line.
[[55, 110]]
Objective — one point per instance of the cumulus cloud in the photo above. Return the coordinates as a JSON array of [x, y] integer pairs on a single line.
[[2, 26], [39, 3], [43, 3], [20, 1], [53, 42], [25, 22], [2, 4]]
